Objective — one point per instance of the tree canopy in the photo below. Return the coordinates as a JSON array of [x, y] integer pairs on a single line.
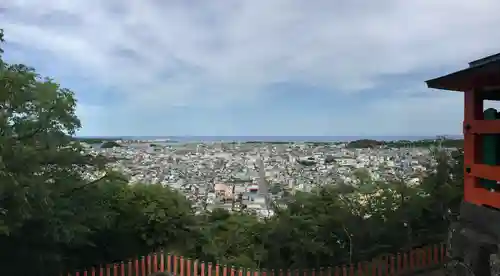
[[60, 209], [110, 144]]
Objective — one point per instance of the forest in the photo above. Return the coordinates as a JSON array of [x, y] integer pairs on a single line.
[[61, 209]]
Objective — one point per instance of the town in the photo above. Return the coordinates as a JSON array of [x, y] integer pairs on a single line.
[[250, 175]]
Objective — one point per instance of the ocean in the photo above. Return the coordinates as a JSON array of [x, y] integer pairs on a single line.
[[186, 139]]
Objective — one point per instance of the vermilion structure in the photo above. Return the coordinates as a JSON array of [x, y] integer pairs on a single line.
[[476, 235]]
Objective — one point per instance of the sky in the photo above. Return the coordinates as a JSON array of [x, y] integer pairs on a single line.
[[254, 67]]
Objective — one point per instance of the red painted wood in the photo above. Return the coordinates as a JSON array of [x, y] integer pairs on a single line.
[[148, 264], [174, 260], [136, 267], [155, 262], [337, 271], [143, 266], [483, 126], [473, 111], [484, 171], [390, 265], [182, 265], [480, 196], [162, 261]]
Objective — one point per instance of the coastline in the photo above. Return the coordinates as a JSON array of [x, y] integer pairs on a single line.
[[260, 139]]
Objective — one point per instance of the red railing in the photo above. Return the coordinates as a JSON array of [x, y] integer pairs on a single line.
[[418, 259]]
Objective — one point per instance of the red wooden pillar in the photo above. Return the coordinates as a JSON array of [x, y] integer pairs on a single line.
[[474, 127], [473, 110]]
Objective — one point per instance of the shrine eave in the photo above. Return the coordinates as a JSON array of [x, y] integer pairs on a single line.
[[484, 76]]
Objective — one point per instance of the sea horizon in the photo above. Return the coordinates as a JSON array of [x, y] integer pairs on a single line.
[[273, 138]]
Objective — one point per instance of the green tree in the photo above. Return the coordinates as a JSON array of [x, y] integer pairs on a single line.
[[147, 216], [233, 239], [43, 192], [110, 144], [363, 175], [52, 216]]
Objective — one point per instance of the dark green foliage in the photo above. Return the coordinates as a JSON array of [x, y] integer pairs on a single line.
[[306, 162], [110, 144], [275, 188], [51, 217], [364, 143], [93, 140], [330, 159]]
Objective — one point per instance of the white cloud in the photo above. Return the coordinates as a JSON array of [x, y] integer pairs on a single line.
[[177, 53]]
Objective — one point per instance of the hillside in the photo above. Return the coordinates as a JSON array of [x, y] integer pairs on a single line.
[[367, 143]]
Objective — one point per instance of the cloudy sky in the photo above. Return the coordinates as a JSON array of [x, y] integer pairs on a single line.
[[254, 67]]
